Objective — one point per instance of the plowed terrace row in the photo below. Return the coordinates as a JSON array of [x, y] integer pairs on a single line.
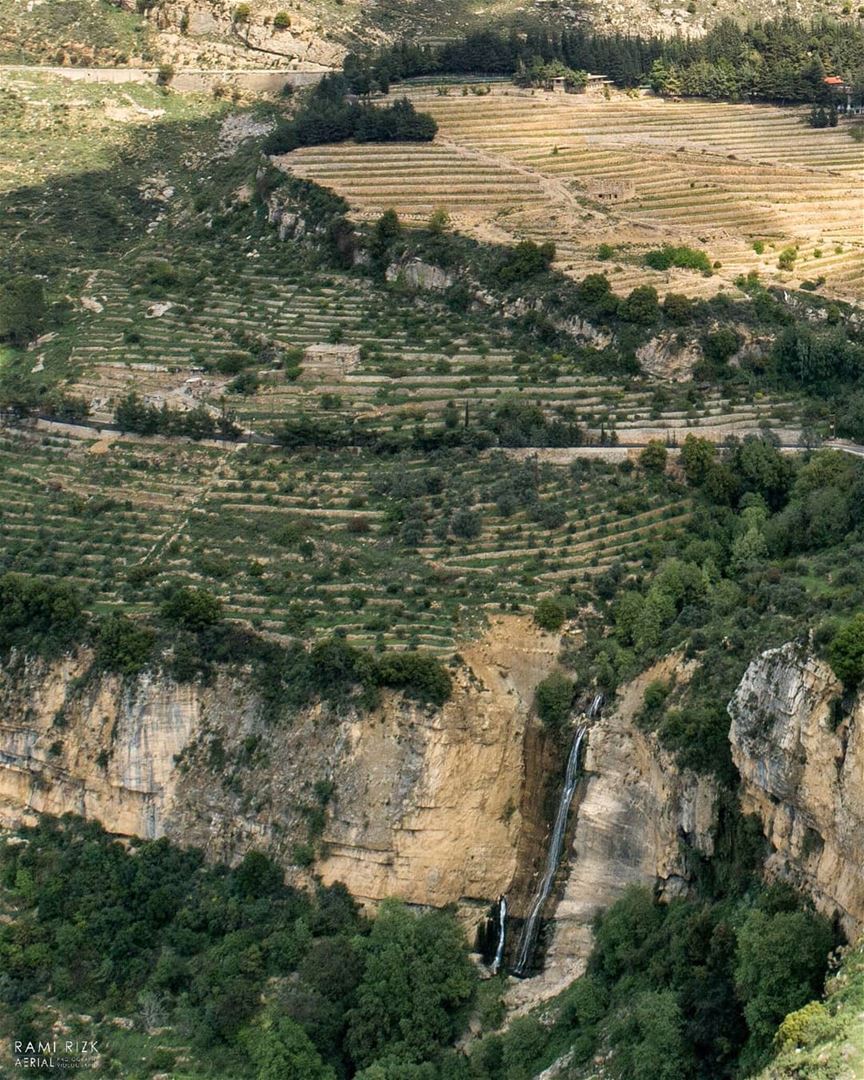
[[518, 163]]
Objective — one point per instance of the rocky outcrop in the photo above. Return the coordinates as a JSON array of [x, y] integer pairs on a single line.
[[424, 804], [416, 274], [800, 754], [665, 357], [205, 33]]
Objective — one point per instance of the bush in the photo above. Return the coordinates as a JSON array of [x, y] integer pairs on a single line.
[[525, 260], [466, 523], [38, 614], [553, 699], [421, 677], [719, 346], [653, 458], [683, 257], [678, 308], [123, 646], [804, 1027], [550, 614], [193, 609], [641, 306], [281, 20], [22, 310], [593, 289], [846, 652]]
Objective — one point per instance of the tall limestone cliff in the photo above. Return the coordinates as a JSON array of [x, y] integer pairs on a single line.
[[450, 805], [635, 813], [800, 751], [405, 801]]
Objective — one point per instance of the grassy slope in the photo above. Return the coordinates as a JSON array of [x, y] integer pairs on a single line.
[[69, 31], [829, 1047]]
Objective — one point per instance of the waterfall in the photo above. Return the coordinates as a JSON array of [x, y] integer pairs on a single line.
[[502, 932], [528, 940]]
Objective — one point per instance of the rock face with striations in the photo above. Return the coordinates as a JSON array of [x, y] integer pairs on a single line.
[[424, 804], [634, 811], [801, 759]]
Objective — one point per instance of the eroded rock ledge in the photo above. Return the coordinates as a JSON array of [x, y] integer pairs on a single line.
[[801, 759]]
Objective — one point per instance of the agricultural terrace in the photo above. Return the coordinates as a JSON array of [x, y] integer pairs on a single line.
[[632, 173], [408, 553], [262, 323]]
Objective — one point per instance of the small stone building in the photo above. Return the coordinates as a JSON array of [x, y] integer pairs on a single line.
[[610, 190], [329, 363]]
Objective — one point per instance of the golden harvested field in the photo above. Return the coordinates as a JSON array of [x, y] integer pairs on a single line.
[[719, 177]]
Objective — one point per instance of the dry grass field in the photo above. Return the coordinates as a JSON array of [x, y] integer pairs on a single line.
[[718, 177]]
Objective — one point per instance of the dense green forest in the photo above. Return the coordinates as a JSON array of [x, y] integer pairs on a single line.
[[782, 60], [244, 977], [326, 116]]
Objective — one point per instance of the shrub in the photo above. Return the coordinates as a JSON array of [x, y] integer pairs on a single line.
[[438, 221], [653, 457], [593, 288], [22, 310], [246, 383], [719, 346], [678, 308], [418, 676], [550, 614], [525, 260], [553, 699], [193, 609], [812, 1024], [685, 258], [466, 523], [281, 20], [38, 613], [846, 652], [123, 646], [641, 306]]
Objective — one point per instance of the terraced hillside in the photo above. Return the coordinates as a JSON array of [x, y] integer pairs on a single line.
[[389, 515], [303, 544], [631, 173], [406, 369]]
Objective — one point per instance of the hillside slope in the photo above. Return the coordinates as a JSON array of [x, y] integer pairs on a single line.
[[206, 33], [825, 1040]]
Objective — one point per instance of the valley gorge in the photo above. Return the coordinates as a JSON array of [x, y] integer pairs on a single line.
[[450, 806]]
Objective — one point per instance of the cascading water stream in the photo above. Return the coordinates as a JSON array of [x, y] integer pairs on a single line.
[[528, 940], [502, 934]]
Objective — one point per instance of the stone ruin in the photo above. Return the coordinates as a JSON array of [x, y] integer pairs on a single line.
[[610, 190], [329, 363]]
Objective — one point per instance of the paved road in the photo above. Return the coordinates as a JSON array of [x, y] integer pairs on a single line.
[[249, 438], [186, 79]]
